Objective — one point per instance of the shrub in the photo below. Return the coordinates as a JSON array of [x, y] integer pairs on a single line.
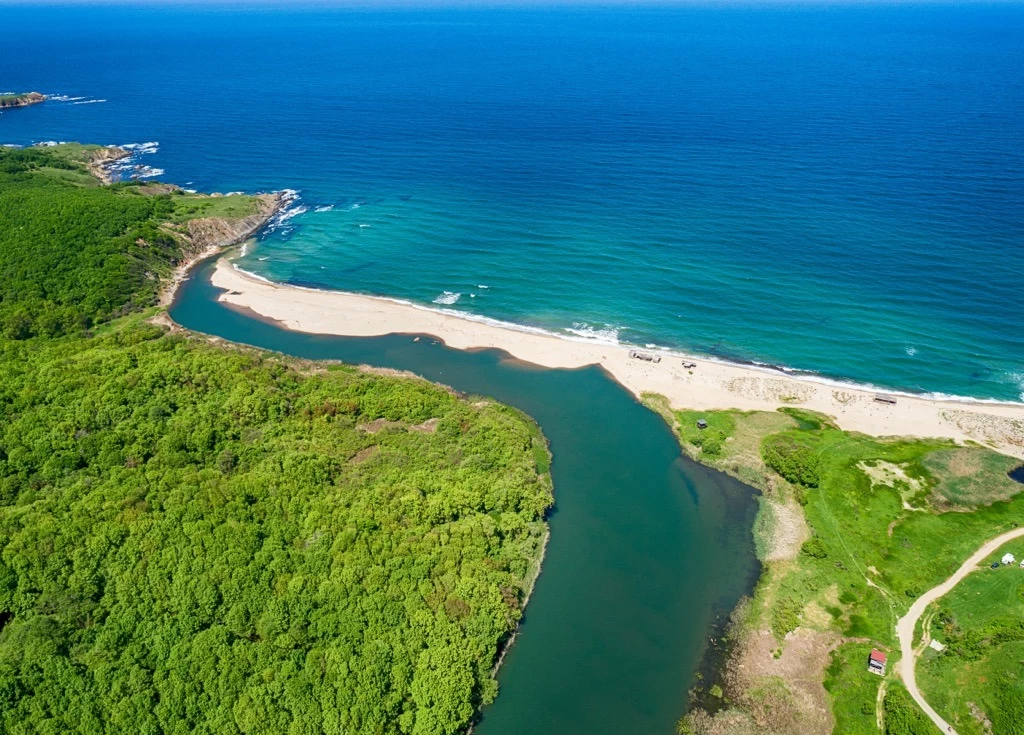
[[902, 716], [814, 548], [795, 461]]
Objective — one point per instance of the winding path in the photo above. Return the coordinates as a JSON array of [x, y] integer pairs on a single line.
[[905, 626]]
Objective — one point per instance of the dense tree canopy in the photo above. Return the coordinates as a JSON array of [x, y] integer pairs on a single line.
[[72, 255], [202, 539]]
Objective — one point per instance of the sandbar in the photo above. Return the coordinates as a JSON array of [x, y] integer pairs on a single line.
[[711, 384]]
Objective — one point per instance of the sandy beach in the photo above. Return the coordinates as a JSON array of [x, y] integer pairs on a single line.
[[709, 385]]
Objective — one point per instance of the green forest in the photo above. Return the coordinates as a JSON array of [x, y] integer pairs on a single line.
[[198, 538]]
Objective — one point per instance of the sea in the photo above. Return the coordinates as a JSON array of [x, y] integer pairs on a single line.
[[833, 189]]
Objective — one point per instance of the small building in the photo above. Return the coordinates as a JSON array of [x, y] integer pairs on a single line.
[[876, 662], [885, 398], [1008, 558], [702, 424]]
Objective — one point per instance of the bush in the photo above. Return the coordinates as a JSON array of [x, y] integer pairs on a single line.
[[902, 715], [785, 617], [795, 461], [814, 548]]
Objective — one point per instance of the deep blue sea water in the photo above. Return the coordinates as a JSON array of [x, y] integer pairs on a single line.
[[839, 190]]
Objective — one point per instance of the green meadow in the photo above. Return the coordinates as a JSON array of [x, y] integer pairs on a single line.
[[886, 520], [979, 675]]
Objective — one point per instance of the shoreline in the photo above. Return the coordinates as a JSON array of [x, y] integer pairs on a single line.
[[224, 234], [711, 384]]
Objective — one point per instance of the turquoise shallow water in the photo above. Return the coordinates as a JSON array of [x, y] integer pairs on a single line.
[[838, 190]]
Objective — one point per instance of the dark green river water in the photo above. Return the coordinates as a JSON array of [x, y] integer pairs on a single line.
[[646, 547]]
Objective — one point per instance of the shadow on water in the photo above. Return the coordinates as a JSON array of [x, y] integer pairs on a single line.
[[647, 547], [1018, 474]]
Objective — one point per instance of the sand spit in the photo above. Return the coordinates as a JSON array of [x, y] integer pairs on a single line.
[[708, 385]]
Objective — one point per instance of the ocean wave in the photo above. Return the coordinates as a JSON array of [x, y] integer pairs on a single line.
[[142, 148], [588, 335], [324, 208], [148, 172], [289, 209], [607, 335], [88, 102], [448, 298], [363, 226], [911, 351], [480, 285]]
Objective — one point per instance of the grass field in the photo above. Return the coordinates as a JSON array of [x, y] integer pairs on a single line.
[[191, 206], [870, 555], [980, 674]]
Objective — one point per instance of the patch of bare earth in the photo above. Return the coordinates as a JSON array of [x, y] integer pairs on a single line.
[[773, 694], [379, 425], [981, 717], [427, 427], [364, 454], [789, 529], [785, 694], [895, 476]]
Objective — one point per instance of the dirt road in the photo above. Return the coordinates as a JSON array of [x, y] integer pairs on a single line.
[[905, 625]]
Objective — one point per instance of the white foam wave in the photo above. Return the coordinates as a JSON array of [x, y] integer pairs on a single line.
[[606, 335], [288, 210], [480, 285], [324, 208], [911, 351], [293, 212], [448, 298], [142, 148], [88, 102], [587, 337], [148, 172], [363, 226]]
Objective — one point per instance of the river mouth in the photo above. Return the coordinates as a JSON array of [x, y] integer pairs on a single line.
[[646, 549]]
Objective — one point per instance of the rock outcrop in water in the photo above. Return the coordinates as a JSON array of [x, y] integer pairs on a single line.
[[21, 100]]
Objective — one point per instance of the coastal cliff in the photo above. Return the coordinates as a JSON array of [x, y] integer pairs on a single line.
[[21, 100], [206, 236], [97, 160]]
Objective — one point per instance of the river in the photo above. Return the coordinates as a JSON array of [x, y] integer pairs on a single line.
[[647, 547]]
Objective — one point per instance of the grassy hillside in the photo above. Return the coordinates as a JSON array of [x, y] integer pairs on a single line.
[[867, 526], [204, 539]]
